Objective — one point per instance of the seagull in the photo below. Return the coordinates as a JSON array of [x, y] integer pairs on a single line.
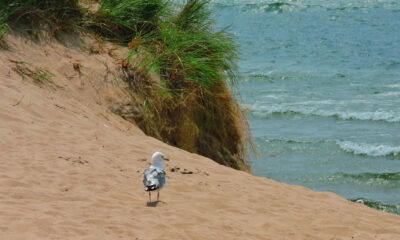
[[154, 177]]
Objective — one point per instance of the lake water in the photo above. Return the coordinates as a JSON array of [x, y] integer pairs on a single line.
[[322, 82]]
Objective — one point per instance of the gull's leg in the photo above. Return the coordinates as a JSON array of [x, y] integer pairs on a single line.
[[149, 196], [158, 195]]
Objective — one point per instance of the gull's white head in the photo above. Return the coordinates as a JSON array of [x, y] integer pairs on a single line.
[[156, 160]]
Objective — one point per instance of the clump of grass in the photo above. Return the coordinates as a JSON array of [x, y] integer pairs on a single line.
[[121, 20], [191, 107], [37, 74], [193, 118], [59, 15], [185, 47]]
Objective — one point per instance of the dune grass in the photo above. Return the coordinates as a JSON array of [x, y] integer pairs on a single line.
[[28, 15], [121, 20], [185, 47], [190, 106]]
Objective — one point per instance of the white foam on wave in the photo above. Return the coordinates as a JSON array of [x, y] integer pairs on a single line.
[[373, 150], [374, 116], [388, 116]]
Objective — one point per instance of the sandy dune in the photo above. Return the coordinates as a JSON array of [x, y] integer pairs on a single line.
[[70, 169]]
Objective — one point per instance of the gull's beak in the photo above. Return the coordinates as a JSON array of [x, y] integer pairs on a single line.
[[166, 159]]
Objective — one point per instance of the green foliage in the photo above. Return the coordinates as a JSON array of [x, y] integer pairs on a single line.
[[194, 16], [186, 48], [123, 19], [28, 14], [202, 57]]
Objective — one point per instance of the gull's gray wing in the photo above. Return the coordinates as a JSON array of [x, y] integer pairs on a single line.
[[153, 179]]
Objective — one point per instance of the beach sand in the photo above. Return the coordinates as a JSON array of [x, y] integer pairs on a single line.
[[71, 169]]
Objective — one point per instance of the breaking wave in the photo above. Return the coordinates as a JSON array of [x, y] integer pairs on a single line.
[[373, 150], [387, 116]]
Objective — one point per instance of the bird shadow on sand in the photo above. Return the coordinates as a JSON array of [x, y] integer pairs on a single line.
[[155, 203]]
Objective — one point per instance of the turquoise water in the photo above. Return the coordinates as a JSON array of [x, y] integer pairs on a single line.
[[322, 82]]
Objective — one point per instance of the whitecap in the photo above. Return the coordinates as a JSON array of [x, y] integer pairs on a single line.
[[374, 150], [379, 115]]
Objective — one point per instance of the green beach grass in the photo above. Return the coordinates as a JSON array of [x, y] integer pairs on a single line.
[[191, 105], [29, 15]]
